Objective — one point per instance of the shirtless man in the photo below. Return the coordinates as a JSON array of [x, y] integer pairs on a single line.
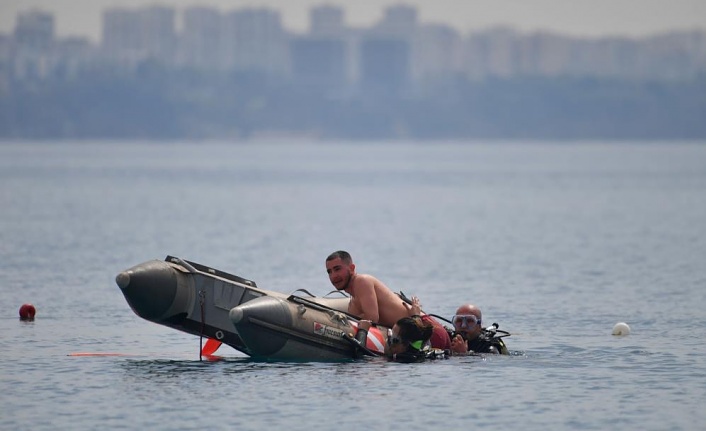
[[370, 298]]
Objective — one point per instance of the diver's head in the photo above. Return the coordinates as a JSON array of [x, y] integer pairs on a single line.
[[408, 335], [467, 321]]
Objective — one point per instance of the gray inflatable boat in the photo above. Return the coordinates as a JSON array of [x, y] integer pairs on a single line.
[[232, 310]]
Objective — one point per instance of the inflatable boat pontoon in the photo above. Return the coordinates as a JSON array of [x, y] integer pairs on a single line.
[[232, 310]]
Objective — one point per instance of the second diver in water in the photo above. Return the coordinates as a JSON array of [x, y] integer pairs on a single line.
[[469, 336]]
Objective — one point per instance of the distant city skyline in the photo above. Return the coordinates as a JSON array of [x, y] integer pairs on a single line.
[[596, 18]]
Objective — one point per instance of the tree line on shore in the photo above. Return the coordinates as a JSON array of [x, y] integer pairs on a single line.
[[160, 104]]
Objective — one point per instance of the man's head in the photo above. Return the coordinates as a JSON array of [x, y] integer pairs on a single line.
[[340, 269], [467, 321]]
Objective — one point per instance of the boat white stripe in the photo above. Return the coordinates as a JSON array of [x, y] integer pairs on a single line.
[[376, 340]]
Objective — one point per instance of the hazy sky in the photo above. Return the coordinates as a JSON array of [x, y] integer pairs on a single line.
[[577, 17]]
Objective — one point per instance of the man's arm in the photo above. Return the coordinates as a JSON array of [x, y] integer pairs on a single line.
[[354, 308]]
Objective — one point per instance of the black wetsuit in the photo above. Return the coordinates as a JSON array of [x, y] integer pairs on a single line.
[[408, 356], [413, 355], [486, 342]]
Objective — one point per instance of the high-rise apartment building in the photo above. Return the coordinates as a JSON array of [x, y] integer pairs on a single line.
[[254, 40], [131, 36], [32, 44], [202, 39], [399, 20], [396, 32], [121, 33], [158, 32], [319, 63], [34, 30], [326, 21], [385, 65], [492, 53], [438, 52], [324, 58]]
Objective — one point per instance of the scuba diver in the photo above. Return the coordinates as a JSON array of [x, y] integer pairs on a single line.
[[407, 341], [469, 336]]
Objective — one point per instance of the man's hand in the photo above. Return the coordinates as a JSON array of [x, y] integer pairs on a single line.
[[415, 309], [459, 345]]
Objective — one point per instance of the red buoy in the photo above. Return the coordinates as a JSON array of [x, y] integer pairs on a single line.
[[27, 312]]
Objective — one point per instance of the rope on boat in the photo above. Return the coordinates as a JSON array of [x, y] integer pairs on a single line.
[[202, 300], [304, 291]]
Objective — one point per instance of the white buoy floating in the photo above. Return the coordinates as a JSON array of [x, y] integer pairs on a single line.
[[621, 328]]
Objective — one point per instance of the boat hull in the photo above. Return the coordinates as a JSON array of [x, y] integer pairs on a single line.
[[264, 324], [295, 328]]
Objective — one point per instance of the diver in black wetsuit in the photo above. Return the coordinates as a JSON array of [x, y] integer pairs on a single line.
[[469, 336], [408, 341]]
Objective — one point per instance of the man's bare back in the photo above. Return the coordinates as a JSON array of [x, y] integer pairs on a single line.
[[372, 300]]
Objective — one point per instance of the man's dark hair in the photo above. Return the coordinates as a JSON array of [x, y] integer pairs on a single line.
[[340, 254]]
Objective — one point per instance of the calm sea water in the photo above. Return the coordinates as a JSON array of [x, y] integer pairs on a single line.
[[556, 242]]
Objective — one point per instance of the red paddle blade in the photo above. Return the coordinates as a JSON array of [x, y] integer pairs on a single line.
[[210, 347]]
